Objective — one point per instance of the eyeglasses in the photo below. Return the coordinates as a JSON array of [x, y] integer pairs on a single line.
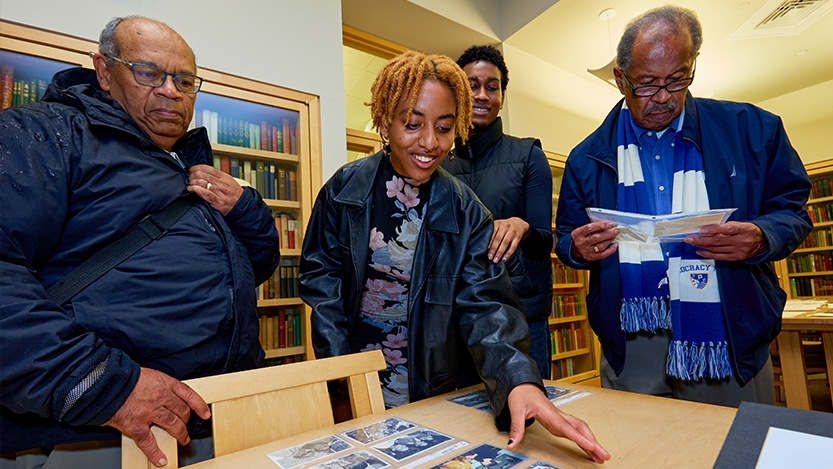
[[673, 87], [151, 76]]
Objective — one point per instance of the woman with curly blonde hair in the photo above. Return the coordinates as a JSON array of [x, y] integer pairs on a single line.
[[395, 259]]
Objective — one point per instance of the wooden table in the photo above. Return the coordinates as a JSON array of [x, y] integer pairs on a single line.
[[793, 366], [639, 432]]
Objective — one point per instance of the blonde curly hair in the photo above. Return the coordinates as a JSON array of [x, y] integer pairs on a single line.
[[405, 73]]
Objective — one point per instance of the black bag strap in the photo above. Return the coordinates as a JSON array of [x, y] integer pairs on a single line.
[[152, 227]]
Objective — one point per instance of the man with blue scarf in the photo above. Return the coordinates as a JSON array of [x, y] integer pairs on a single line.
[[691, 320]]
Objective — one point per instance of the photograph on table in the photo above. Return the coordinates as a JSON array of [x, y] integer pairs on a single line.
[[357, 460], [483, 456], [379, 430], [480, 401], [473, 399], [411, 444], [308, 452]]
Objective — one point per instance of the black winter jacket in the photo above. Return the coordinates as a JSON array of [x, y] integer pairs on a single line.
[[460, 306], [75, 174], [496, 167]]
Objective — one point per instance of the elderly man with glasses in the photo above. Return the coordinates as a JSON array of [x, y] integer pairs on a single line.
[[690, 320], [83, 168]]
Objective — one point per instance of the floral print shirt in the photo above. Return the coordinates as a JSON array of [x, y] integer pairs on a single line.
[[396, 217]]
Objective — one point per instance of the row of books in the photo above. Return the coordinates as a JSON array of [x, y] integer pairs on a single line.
[[270, 180], [818, 239], [282, 284], [820, 213], [565, 306], [822, 188], [811, 286], [15, 92], [284, 360], [563, 274], [567, 339], [810, 263], [289, 231], [279, 137], [563, 368], [281, 329]]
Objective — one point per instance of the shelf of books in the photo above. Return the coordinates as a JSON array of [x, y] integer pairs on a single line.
[[809, 269], [266, 136], [571, 340], [575, 352]]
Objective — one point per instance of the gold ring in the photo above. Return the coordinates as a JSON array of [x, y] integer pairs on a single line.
[[595, 248], [208, 187]]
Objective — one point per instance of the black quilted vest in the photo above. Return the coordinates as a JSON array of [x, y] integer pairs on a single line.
[[494, 165]]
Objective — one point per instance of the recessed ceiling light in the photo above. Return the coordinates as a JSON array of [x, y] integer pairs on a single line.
[[801, 52], [607, 14]]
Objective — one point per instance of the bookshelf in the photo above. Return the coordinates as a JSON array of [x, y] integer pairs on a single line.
[[575, 348], [808, 271], [272, 132]]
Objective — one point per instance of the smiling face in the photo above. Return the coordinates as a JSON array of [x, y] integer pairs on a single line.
[[420, 143], [486, 95], [657, 62], [163, 113]]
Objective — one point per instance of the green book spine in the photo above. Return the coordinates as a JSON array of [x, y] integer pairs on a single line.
[[261, 184]]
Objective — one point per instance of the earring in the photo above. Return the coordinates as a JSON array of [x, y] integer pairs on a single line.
[[386, 149]]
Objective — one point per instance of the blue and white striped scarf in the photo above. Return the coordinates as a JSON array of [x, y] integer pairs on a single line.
[[678, 290]]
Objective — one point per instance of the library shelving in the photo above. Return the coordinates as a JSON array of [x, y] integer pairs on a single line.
[[575, 348], [808, 271], [265, 135]]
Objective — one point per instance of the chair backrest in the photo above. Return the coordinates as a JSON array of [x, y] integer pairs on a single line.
[[254, 407]]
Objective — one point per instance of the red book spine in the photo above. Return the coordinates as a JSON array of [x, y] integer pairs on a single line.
[[225, 164], [281, 329], [291, 233], [6, 85], [264, 136], [285, 134]]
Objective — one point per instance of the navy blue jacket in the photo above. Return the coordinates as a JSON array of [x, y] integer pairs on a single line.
[[749, 165], [75, 174]]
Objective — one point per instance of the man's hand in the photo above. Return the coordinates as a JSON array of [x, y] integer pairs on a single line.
[[527, 400], [732, 241], [506, 236], [594, 241], [158, 400], [217, 188]]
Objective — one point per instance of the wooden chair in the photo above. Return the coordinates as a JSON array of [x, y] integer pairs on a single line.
[[254, 407]]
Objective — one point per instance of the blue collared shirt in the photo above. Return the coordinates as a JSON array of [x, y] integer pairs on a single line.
[[656, 153]]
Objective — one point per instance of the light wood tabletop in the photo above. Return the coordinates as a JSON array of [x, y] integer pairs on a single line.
[[639, 432], [793, 366]]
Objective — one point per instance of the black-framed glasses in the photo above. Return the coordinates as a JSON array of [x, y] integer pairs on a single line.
[[650, 90], [148, 75]]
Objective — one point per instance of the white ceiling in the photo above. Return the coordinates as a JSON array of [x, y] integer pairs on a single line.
[[550, 44]]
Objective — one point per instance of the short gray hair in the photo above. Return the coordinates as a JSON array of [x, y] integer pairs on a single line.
[[109, 47], [673, 16]]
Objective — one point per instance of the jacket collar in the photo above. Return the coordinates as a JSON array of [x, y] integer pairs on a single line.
[[604, 139], [78, 87], [479, 143], [359, 187]]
